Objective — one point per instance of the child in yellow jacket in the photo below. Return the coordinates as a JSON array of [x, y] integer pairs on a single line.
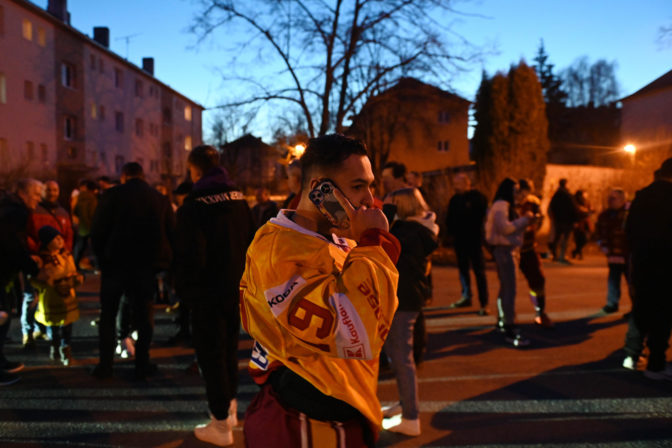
[[57, 307]]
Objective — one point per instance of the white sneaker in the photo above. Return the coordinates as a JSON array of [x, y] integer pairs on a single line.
[[216, 432], [392, 410], [629, 363], [407, 427], [233, 413]]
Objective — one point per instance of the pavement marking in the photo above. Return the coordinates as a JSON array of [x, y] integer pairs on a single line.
[[457, 321], [494, 376], [117, 393], [617, 407], [63, 429]]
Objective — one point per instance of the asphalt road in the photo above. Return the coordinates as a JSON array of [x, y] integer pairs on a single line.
[[567, 389]]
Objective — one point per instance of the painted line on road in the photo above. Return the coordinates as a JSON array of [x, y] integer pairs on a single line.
[[483, 322], [496, 376], [116, 393]]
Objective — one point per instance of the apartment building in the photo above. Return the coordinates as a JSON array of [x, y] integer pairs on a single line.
[[71, 108]]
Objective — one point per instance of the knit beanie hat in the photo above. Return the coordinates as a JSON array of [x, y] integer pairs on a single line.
[[46, 234]]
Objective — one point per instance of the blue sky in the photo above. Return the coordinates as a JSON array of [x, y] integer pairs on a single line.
[[624, 31]]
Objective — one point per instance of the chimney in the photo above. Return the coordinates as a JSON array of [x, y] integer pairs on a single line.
[[59, 9], [101, 34], [148, 65]]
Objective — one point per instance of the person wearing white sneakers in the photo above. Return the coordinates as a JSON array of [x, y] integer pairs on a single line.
[[415, 228], [214, 227]]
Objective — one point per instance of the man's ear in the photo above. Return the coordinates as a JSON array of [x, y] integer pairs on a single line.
[[314, 181]]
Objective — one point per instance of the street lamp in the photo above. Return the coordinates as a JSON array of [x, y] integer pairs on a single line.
[[298, 150], [630, 149]]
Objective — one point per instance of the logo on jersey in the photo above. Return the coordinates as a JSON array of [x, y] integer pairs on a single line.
[[352, 340], [259, 356], [279, 297]]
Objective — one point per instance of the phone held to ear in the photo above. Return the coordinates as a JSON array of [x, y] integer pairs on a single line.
[[324, 199]]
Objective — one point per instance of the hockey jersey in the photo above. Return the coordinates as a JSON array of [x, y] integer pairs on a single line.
[[320, 308]]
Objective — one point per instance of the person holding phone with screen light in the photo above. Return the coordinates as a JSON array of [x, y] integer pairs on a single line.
[[319, 301]]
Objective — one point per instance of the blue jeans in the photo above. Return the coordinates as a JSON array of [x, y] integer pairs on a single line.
[[399, 348], [28, 307], [60, 336], [506, 271], [616, 270], [471, 255]]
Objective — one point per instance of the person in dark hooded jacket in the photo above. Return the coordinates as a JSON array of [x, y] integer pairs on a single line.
[[214, 228]]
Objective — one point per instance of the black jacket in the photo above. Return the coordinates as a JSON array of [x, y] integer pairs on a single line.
[[214, 229], [562, 208], [465, 219], [649, 224], [417, 243], [14, 253], [133, 228]]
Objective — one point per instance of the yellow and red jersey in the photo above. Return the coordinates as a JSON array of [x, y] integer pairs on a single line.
[[321, 308]]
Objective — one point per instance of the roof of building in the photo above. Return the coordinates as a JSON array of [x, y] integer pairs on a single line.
[[67, 27], [664, 82], [408, 83], [247, 141]]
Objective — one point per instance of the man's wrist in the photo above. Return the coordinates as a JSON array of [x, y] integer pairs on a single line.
[[379, 237]]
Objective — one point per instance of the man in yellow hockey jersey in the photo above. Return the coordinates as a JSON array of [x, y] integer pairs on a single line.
[[318, 302]]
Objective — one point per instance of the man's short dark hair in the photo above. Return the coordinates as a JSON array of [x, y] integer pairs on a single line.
[[204, 157], [563, 183], [132, 170], [398, 169], [328, 152], [666, 169]]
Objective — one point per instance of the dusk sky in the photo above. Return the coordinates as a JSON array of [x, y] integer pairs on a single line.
[[625, 31]]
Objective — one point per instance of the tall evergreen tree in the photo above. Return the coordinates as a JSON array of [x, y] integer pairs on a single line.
[[550, 83], [510, 138]]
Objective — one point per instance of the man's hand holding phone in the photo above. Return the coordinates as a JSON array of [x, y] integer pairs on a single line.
[[361, 218]]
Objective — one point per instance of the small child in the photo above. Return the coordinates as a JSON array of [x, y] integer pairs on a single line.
[[612, 241], [57, 308]]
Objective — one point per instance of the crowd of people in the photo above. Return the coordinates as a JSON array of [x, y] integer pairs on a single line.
[[325, 304]]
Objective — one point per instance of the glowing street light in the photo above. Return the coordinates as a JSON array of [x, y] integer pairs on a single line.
[[630, 149], [298, 150]]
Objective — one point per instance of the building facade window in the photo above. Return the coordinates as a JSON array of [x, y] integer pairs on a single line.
[[70, 127], [138, 88], [41, 93], [118, 163], [94, 110], [118, 78], [101, 65], [30, 151], [101, 113], [27, 29], [444, 116], [443, 145], [4, 152], [68, 75], [72, 152], [41, 37], [103, 157], [139, 127], [28, 90], [92, 61], [119, 121], [167, 116], [187, 143], [2, 20], [153, 166], [187, 112], [3, 89], [44, 151]]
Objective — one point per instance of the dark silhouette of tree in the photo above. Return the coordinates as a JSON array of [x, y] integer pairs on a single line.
[[511, 135], [551, 85], [334, 55], [591, 85]]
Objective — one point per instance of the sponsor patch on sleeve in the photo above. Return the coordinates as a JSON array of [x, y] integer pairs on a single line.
[[279, 297], [352, 340], [259, 356]]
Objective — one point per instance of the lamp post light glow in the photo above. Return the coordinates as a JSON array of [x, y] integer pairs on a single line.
[[297, 150], [630, 149]]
